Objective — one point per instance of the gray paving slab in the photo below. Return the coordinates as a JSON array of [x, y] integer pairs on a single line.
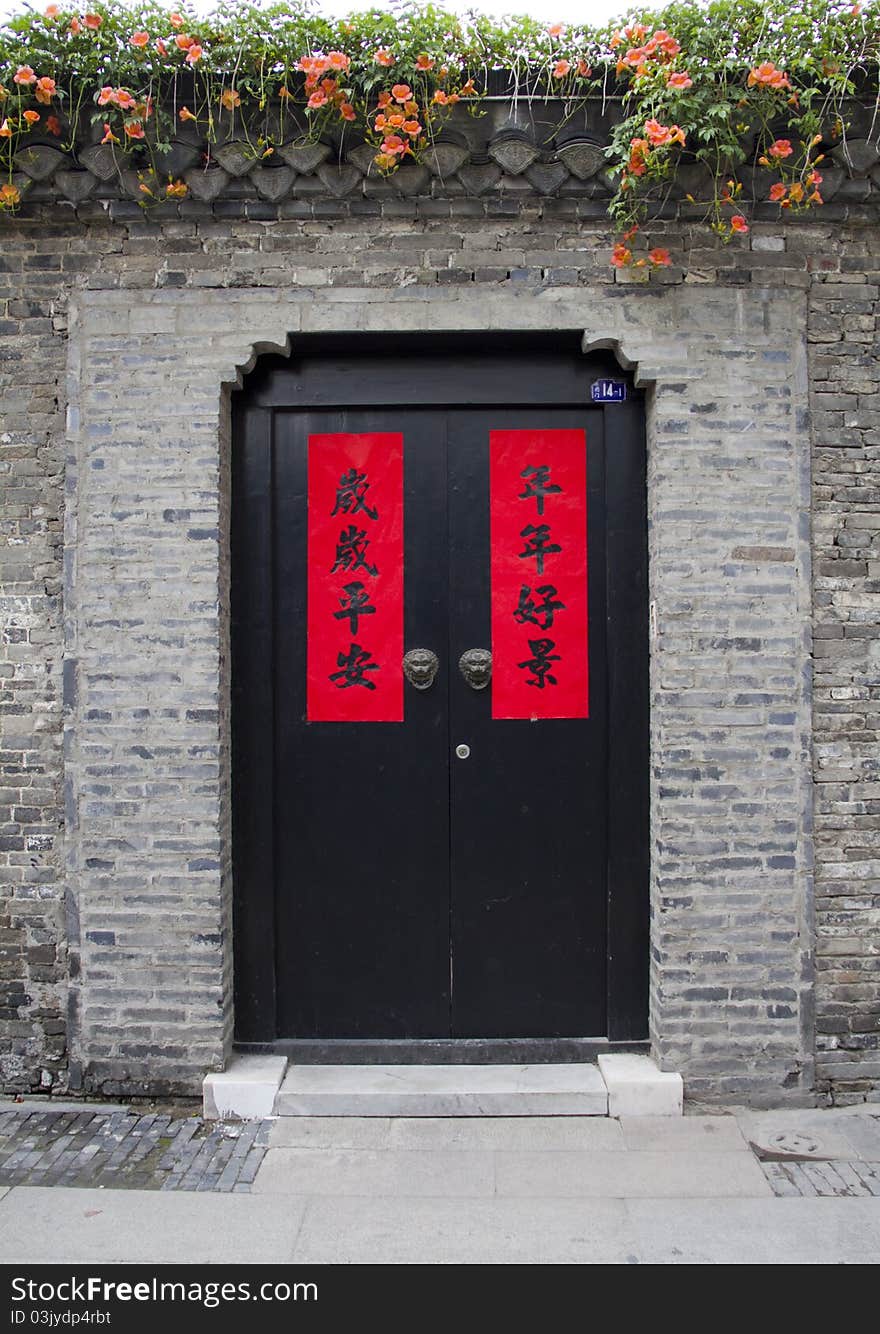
[[628, 1175], [466, 1231], [375, 1173], [330, 1132], [539, 1133], [801, 1132], [427, 1133], [786, 1231], [55, 1225], [669, 1134], [863, 1133]]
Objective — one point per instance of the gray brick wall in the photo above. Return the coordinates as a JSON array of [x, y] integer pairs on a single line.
[[845, 400], [33, 972], [162, 315]]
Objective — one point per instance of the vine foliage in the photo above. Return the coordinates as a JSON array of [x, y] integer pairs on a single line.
[[705, 93]]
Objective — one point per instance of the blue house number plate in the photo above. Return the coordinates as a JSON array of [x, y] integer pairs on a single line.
[[609, 391]]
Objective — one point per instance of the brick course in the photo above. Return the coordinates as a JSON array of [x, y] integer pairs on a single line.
[[115, 855]]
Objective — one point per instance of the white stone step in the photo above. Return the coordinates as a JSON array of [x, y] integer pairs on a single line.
[[246, 1089], [442, 1090], [637, 1087], [622, 1085]]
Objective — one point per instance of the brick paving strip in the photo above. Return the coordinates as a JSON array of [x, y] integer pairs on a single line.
[[823, 1178], [813, 1172], [127, 1149]]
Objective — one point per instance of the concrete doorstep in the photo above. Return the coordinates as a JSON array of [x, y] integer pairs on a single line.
[[621, 1085]]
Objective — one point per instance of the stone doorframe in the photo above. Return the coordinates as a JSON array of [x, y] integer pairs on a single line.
[[146, 671]]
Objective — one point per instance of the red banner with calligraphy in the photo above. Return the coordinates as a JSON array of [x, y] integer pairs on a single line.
[[355, 579], [538, 491]]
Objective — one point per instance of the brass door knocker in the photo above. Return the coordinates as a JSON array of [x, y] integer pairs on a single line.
[[475, 665], [420, 666]]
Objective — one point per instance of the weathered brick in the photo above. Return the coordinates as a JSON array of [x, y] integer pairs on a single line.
[[733, 734]]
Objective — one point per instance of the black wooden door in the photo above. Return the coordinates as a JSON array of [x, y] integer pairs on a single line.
[[362, 809], [447, 876], [528, 805]]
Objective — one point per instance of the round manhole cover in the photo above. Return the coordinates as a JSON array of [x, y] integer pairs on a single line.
[[791, 1144]]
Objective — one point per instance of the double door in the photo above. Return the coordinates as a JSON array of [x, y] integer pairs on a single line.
[[427, 841]]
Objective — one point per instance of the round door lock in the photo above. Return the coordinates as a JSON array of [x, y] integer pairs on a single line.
[[462, 752]]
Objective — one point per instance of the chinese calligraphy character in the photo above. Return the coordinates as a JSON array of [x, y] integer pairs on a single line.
[[538, 485], [351, 495], [354, 605], [353, 664], [537, 613], [539, 665], [537, 544], [351, 552]]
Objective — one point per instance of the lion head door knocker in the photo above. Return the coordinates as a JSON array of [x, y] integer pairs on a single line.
[[420, 666], [475, 665]]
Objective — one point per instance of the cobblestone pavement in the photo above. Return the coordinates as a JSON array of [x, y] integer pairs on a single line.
[[119, 1149], [823, 1178]]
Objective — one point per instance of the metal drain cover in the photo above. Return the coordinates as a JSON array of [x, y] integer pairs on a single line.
[[788, 1145]]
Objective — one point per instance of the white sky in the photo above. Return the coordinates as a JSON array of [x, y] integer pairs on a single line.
[[553, 11]]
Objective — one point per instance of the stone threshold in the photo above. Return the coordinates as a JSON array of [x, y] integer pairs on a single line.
[[441, 1051], [619, 1084]]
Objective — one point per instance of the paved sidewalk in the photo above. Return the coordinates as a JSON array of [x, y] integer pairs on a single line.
[[125, 1150], [750, 1187]]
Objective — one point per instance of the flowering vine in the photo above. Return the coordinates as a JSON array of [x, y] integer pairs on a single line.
[[703, 95]]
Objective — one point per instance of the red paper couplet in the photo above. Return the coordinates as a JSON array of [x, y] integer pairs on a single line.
[[538, 489], [355, 579]]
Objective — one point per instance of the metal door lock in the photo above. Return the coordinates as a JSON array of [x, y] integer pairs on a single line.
[[462, 751]]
